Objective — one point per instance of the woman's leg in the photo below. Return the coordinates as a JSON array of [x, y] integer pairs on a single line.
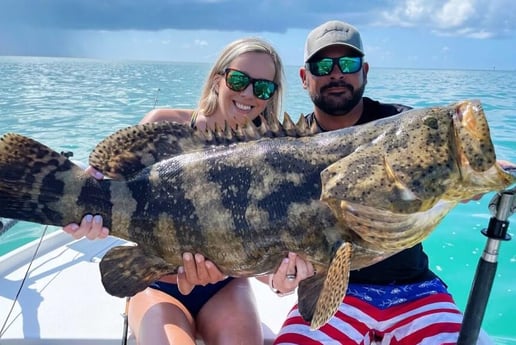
[[230, 316], [157, 318]]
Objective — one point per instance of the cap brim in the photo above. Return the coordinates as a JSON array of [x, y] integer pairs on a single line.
[[334, 44]]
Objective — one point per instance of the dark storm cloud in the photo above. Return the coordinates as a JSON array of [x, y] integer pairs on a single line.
[[458, 18], [257, 16]]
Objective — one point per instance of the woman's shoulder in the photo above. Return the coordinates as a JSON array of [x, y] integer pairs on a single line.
[[168, 114]]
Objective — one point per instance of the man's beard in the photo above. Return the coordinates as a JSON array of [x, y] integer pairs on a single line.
[[341, 106]]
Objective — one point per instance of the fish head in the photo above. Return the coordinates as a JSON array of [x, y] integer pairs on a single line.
[[393, 190], [418, 158], [476, 157]]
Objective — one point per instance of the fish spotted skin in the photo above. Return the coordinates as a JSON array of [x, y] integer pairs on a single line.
[[343, 199]]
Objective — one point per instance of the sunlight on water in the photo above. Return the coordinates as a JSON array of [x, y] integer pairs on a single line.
[[71, 104]]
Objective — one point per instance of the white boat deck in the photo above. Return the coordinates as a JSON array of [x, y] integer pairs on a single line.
[[62, 300]]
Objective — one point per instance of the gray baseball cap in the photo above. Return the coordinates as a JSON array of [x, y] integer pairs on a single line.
[[332, 33]]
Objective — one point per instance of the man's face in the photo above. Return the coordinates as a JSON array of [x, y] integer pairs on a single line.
[[336, 93]]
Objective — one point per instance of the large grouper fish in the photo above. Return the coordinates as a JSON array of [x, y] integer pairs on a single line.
[[343, 199]]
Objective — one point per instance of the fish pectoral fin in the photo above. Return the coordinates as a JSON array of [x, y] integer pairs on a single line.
[[366, 180], [127, 270], [401, 197], [335, 286], [320, 297]]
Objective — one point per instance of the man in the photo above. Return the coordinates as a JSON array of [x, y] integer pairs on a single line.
[[396, 301]]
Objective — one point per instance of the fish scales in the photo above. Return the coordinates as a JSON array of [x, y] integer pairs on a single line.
[[344, 199], [218, 199]]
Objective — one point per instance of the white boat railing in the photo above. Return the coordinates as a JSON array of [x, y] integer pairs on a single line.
[[57, 297]]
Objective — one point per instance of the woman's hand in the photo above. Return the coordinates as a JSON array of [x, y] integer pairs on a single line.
[[196, 270], [91, 226], [290, 272]]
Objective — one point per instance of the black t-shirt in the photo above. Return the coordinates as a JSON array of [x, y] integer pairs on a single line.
[[409, 265]]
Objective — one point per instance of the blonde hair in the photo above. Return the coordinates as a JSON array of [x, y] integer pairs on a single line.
[[208, 101]]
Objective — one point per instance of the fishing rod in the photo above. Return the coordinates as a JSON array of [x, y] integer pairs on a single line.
[[502, 206], [156, 98]]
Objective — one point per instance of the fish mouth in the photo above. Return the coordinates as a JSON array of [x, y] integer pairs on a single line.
[[475, 153], [472, 136], [467, 114]]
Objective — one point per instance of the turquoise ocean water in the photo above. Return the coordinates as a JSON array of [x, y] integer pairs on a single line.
[[71, 104]]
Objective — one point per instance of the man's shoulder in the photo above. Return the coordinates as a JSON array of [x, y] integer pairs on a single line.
[[373, 110], [387, 109]]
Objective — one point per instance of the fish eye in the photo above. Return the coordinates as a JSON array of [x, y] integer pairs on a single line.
[[431, 122]]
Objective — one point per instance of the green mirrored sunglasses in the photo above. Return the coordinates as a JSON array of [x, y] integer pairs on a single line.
[[324, 66], [238, 81]]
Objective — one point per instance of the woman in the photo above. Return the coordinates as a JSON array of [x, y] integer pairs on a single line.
[[245, 82]]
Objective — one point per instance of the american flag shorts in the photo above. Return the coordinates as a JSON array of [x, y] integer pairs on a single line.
[[410, 314]]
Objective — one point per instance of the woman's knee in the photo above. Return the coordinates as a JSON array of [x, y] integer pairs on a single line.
[[156, 318], [220, 319]]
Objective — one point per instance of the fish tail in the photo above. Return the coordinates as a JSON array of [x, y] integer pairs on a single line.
[[42, 186]]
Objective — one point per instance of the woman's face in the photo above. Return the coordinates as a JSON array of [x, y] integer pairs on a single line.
[[241, 106]]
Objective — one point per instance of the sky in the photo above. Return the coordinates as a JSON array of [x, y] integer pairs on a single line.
[[442, 34]]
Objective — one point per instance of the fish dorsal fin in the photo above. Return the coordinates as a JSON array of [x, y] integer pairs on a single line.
[[289, 126], [319, 297], [129, 150]]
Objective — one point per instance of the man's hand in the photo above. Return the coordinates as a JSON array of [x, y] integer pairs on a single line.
[[290, 272], [506, 165]]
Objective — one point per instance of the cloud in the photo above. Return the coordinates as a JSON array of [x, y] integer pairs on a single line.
[[455, 13], [200, 43], [463, 18]]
